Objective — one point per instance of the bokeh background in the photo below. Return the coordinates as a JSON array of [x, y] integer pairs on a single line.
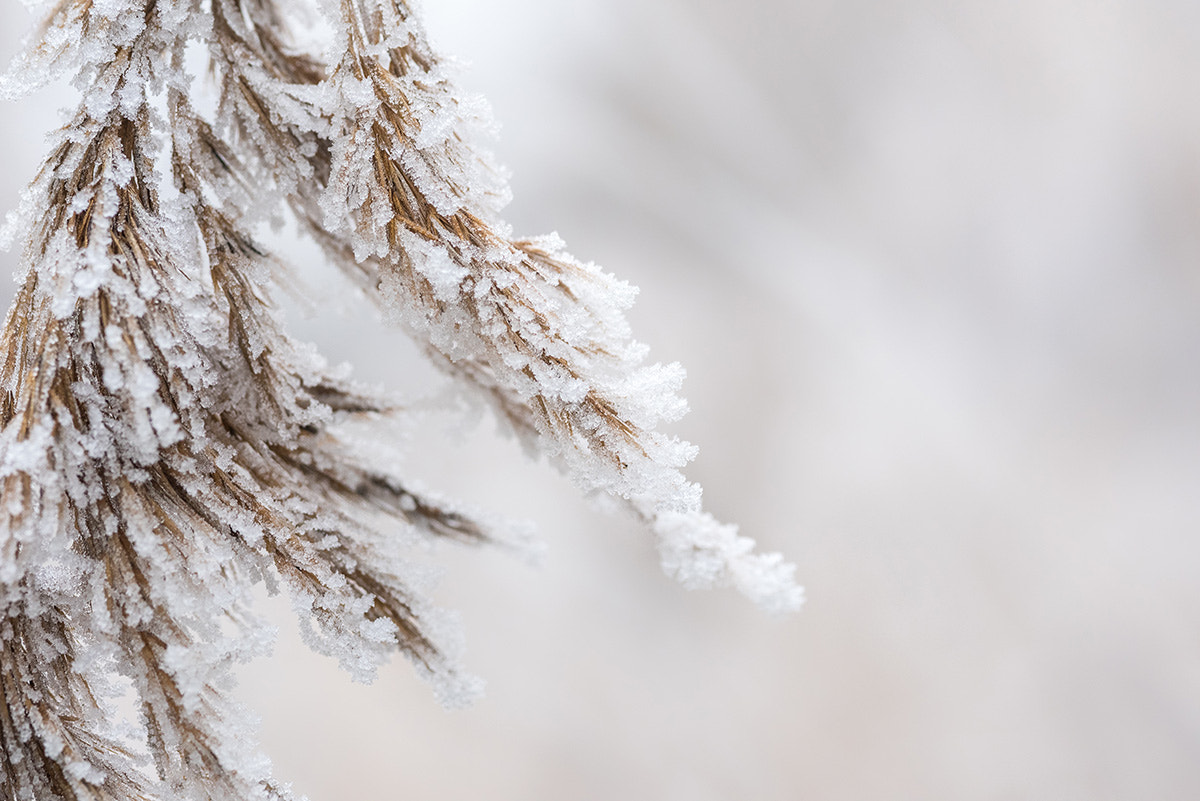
[[933, 270]]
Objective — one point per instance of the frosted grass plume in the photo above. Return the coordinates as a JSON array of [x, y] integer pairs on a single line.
[[165, 445]]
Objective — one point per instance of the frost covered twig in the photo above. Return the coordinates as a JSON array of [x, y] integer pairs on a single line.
[[164, 445]]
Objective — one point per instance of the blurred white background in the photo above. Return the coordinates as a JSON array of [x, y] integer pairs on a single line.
[[933, 270]]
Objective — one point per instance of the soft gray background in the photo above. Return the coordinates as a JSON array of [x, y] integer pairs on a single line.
[[932, 267]]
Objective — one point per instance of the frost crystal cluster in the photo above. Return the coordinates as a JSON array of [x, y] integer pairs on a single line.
[[165, 446]]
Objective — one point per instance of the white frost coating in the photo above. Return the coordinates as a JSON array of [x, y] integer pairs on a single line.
[[444, 274], [701, 553]]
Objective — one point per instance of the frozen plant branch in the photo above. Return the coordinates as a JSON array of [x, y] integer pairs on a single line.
[[164, 445]]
